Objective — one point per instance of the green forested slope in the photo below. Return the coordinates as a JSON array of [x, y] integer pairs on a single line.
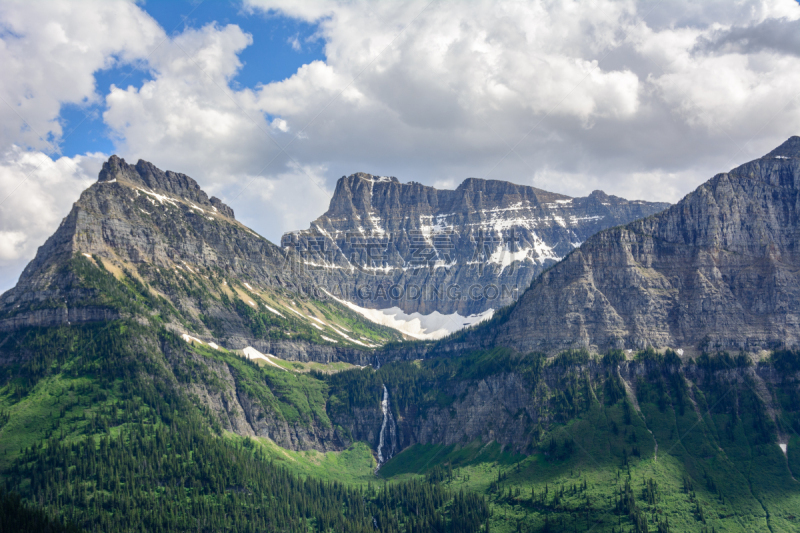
[[98, 428], [693, 447]]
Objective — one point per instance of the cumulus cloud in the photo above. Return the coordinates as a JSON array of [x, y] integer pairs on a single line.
[[50, 52], [537, 92], [187, 118], [291, 198], [38, 193], [622, 96], [773, 35]]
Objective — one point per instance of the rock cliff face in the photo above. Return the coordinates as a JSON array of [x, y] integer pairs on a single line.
[[718, 270], [159, 232], [243, 409], [383, 243], [138, 214], [516, 408]]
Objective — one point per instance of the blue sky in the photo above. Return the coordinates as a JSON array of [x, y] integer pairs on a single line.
[[271, 57]]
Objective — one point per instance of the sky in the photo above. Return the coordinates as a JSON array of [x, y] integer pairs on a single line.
[[266, 103]]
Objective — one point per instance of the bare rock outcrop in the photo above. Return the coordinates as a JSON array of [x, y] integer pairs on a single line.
[[383, 243], [718, 270]]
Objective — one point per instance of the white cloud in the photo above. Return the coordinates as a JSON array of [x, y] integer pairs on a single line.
[[292, 198], [50, 52], [10, 244], [295, 43], [38, 193], [187, 118], [280, 125], [620, 96]]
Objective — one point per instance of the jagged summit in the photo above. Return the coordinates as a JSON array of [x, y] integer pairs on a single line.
[[488, 234], [718, 270], [371, 177], [147, 175], [789, 149], [138, 218]]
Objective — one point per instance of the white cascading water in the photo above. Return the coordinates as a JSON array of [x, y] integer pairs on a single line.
[[388, 423]]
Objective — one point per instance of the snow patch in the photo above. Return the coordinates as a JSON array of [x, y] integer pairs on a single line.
[[385, 269], [376, 223], [424, 327], [251, 353], [783, 448], [296, 312], [194, 206], [162, 199], [346, 337], [248, 286], [504, 257], [318, 265], [441, 264], [188, 338], [274, 311], [434, 227], [328, 339]]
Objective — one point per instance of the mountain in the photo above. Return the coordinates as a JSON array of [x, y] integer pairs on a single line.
[[720, 270], [150, 251], [136, 394], [157, 358], [383, 243], [208, 276]]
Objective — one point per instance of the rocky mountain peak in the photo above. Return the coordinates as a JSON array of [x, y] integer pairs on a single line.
[[481, 192], [162, 229], [146, 175], [788, 150], [718, 270], [599, 195], [375, 179], [485, 234]]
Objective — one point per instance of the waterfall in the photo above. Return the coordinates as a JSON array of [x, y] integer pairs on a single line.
[[388, 423]]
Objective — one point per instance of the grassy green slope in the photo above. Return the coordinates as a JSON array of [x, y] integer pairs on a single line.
[[98, 424], [718, 466], [97, 428]]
